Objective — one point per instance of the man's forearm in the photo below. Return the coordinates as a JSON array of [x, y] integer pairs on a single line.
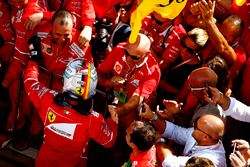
[[224, 102], [220, 43]]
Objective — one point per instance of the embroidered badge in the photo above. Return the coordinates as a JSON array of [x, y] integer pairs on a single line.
[[51, 116], [118, 67]]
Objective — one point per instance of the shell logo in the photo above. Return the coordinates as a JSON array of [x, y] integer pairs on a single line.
[[117, 68]]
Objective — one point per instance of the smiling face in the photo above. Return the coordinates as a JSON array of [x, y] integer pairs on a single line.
[[62, 30]]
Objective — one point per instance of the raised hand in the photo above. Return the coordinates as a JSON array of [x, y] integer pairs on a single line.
[[207, 10], [85, 36], [172, 106]]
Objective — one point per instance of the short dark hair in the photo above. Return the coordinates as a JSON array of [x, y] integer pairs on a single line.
[[199, 162], [144, 137], [220, 67], [62, 14]]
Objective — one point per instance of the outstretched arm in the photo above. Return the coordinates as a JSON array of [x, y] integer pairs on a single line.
[[219, 42]]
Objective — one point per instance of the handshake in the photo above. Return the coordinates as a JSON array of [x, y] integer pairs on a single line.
[[35, 48]]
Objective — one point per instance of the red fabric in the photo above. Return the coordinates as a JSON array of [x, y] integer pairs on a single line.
[[240, 58], [142, 81], [84, 12], [47, 15], [101, 7], [66, 132], [240, 61], [244, 13], [145, 159], [21, 52], [17, 63], [6, 32], [171, 49]]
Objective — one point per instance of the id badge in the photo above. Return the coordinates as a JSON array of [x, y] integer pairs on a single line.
[[122, 96]]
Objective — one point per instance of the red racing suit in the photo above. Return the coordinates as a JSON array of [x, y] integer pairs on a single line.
[[18, 62], [66, 132], [141, 79], [6, 32], [18, 18]]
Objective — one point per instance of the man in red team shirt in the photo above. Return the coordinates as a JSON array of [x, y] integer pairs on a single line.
[[68, 117], [17, 61], [141, 138], [133, 73], [224, 39], [57, 43]]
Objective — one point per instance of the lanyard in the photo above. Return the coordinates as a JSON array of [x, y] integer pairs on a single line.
[[129, 163], [128, 76]]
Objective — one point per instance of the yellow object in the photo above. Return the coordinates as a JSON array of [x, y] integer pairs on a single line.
[[166, 8], [240, 2]]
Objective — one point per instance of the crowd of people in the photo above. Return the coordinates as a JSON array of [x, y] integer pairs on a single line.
[[77, 85]]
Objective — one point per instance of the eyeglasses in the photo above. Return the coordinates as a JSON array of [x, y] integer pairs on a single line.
[[131, 56], [199, 89], [191, 51], [196, 128]]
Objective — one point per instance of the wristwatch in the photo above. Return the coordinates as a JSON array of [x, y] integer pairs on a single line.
[[154, 118]]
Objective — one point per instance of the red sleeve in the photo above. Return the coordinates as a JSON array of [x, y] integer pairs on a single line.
[[18, 62], [107, 65], [6, 32], [47, 15], [172, 51], [239, 63], [104, 132], [88, 13], [87, 50], [101, 6], [38, 93]]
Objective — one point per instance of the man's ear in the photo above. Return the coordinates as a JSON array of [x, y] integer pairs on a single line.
[[74, 21]]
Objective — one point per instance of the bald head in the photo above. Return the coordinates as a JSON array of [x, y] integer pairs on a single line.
[[140, 47], [212, 124], [202, 76]]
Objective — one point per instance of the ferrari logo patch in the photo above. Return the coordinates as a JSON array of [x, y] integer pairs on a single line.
[[51, 116], [79, 91]]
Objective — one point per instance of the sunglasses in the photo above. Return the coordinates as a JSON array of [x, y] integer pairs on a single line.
[[183, 44], [199, 89], [196, 128], [131, 56]]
